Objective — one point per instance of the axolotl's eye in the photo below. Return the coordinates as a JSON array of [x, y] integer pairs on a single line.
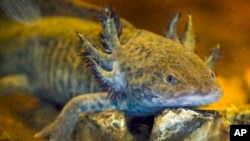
[[171, 80], [212, 74]]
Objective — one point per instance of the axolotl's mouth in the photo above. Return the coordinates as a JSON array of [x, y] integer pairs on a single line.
[[192, 100], [184, 100]]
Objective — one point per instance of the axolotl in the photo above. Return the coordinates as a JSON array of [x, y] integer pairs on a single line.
[[142, 73]]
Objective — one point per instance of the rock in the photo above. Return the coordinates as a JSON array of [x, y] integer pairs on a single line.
[[186, 124], [171, 124], [108, 125], [239, 114]]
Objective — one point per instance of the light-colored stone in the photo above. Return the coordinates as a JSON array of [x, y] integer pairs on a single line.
[[108, 125], [189, 125]]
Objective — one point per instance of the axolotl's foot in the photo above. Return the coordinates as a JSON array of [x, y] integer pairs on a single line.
[[62, 128], [56, 132]]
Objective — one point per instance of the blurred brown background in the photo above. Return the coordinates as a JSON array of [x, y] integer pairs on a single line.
[[224, 22]]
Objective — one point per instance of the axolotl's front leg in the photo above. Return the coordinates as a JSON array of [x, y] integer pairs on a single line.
[[61, 129]]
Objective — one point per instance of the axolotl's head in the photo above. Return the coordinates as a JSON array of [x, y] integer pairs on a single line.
[[156, 71], [149, 71]]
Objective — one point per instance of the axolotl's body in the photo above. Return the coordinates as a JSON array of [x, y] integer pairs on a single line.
[[142, 72]]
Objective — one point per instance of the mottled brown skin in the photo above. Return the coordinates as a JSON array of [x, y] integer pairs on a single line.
[[49, 57], [150, 59]]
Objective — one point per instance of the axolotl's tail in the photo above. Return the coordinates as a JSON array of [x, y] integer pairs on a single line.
[[16, 13], [12, 78], [12, 53], [13, 60]]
